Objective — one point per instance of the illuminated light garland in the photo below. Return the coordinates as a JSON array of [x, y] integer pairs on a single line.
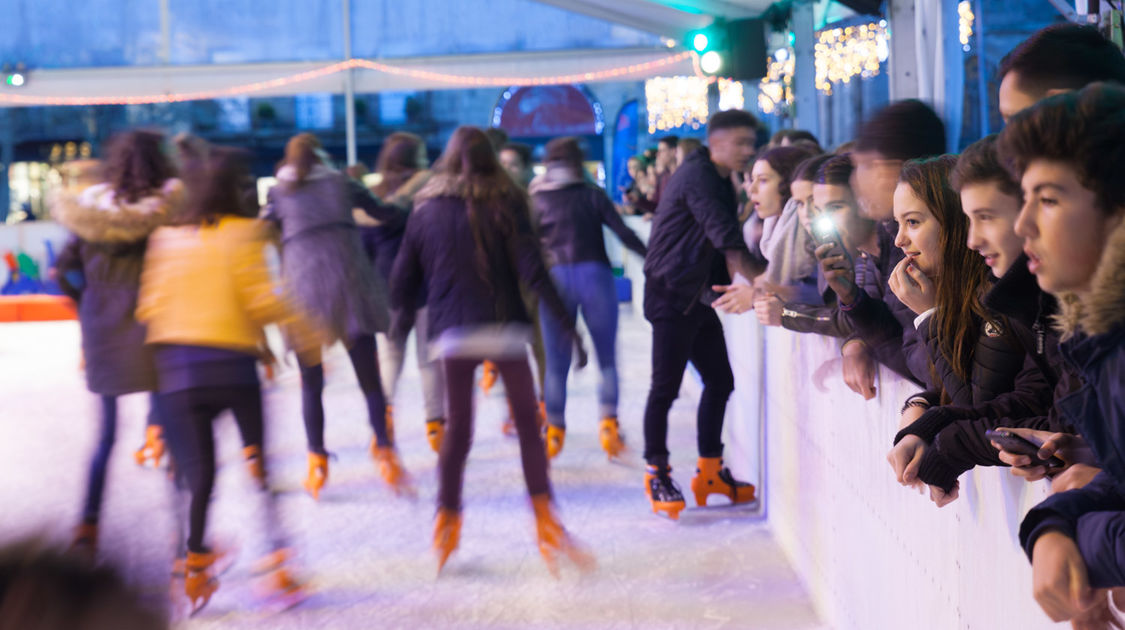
[[259, 86], [965, 19], [732, 95], [843, 53], [676, 102], [775, 90]]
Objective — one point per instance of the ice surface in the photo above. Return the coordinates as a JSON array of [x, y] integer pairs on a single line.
[[366, 553]]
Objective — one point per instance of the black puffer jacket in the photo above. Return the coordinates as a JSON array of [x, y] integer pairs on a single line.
[[957, 431], [569, 214], [696, 221], [439, 253]]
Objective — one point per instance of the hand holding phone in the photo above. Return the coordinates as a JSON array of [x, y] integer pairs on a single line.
[[1014, 443]]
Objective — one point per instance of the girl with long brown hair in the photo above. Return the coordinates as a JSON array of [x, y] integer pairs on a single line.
[[973, 355], [470, 240], [205, 296]]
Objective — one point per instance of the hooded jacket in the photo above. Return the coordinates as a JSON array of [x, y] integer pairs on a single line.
[[569, 213], [696, 221], [439, 253], [1093, 344], [108, 254]]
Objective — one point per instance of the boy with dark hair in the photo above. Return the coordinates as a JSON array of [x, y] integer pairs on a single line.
[[1055, 59], [1066, 152], [696, 243]]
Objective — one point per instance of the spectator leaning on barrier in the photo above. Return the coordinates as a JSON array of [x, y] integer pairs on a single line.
[[900, 131], [1067, 151], [944, 441], [827, 179], [973, 357], [695, 249]]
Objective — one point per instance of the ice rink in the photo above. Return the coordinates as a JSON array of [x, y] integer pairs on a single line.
[[366, 553]]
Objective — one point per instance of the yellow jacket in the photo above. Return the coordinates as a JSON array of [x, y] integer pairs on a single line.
[[208, 285]]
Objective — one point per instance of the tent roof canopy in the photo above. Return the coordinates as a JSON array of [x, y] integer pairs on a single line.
[[670, 18]]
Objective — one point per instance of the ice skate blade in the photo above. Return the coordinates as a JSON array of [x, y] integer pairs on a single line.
[[672, 509]]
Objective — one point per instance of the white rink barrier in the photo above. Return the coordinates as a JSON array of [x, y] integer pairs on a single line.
[[872, 553]]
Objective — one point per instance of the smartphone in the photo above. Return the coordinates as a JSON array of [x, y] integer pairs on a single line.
[[824, 232], [1020, 445]]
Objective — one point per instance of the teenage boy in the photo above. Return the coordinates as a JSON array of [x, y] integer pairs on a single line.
[[696, 243]]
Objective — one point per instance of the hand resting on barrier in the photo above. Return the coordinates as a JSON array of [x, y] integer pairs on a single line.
[[859, 369]]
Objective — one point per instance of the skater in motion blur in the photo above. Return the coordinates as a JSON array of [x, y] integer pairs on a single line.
[[569, 214], [101, 269], [471, 241], [403, 166], [205, 295], [324, 268]]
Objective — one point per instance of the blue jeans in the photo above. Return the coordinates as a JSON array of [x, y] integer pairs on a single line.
[[99, 462], [589, 286]]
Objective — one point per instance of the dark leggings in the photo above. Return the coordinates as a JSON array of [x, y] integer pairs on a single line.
[[459, 426], [95, 480], [362, 352], [190, 436]]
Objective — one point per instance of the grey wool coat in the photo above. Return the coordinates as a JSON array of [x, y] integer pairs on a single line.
[[323, 264]]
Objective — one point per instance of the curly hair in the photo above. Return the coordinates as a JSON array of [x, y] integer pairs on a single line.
[[136, 165]]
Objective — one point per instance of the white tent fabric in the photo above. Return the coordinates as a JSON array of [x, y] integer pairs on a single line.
[[143, 84], [664, 17], [160, 83]]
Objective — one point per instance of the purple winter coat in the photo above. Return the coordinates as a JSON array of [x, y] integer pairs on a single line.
[[108, 252]]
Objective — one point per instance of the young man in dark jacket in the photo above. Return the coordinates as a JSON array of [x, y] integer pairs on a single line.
[[696, 243]]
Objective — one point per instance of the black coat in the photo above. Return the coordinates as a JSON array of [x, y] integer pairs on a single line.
[[696, 221], [439, 253], [107, 253], [569, 214], [957, 432]]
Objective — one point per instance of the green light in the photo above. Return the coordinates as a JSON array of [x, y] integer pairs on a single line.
[[699, 42]]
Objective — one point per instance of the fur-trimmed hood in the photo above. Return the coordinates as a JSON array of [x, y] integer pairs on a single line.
[[96, 215], [1104, 308], [559, 175]]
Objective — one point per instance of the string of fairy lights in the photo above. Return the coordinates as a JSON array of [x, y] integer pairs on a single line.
[[426, 75], [840, 55]]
